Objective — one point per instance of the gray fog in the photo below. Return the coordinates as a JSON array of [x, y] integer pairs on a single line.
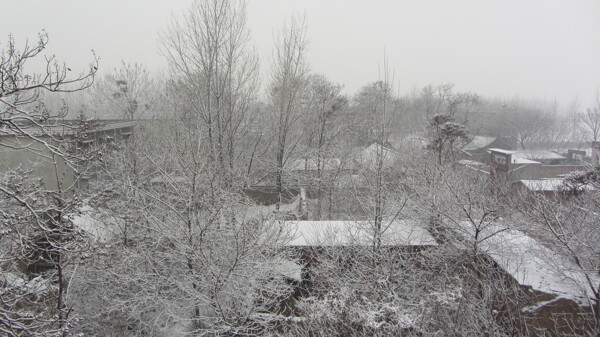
[[533, 49]]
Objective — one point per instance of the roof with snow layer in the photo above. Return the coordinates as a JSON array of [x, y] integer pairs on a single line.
[[357, 233], [532, 264]]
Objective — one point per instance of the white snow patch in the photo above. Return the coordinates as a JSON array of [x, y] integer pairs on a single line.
[[535, 307], [479, 142], [532, 264], [287, 268], [370, 156], [358, 233], [537, 155], [37, 286], [551, 184], [87, 219]]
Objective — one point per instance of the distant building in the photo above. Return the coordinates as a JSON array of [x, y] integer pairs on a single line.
[[351, 241], [478, 148], [576, 156], [505, 165], [552, 188], [518, 165], [29, 151], [542, 156], [369, 157]]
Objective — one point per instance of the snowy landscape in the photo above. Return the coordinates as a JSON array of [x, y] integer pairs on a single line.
[[229, 193]]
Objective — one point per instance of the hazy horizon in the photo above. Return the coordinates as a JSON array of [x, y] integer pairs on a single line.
[[543, 50]]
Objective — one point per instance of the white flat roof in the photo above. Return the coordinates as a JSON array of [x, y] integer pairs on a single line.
[[523, 161], [552, 184], [542, 185], [501, 151], [537, 155], [357, 233]]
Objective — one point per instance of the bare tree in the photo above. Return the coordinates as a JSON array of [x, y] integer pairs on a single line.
[[447, 136], [128, 90], [38, 237], [591, 119], [214, 72], [186, 262], [435, 97], [20, 92], [377, 105], [324, 127], [286, 90], [200, 258], [528, 122]]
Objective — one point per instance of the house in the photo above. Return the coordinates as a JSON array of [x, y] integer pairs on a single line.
[[477, 148], [349, 241], [542, 156], [551, 188], [529, 165], [307, 171], [547, 187], [556, 293], [29, 149], [505, 165], [369, 157]]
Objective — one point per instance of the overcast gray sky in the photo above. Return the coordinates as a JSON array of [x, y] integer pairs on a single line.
[[543, 49]]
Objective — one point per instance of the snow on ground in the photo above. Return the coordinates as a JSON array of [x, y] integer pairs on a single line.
[[288, 268], [358, 233], [38, 286], [84, 220], [88, 220], [532, 264]]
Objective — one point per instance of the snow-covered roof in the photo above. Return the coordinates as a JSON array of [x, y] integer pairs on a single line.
[[357, 233], [551, 184], [369, 156], [516, 160], [468, 162], [537, 155], [479, 142], [501, 151], [543, 185], [532, 264]]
